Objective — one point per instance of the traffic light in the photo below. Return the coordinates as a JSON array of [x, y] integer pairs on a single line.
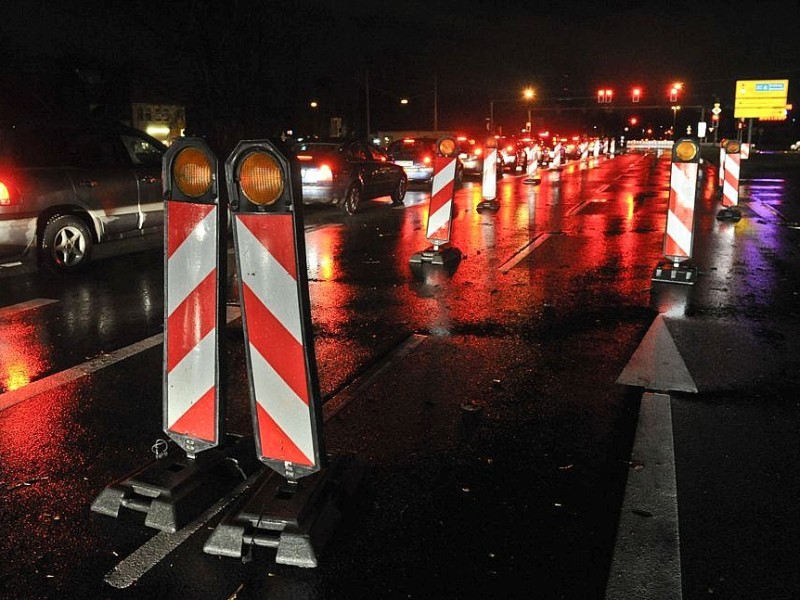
[[604, 96], [636, 94], [634, 120], [674, 90]]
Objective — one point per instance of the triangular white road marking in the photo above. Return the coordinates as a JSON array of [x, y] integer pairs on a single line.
[[657, 364]]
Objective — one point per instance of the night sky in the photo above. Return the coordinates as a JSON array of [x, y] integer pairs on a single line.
[[259, 62]]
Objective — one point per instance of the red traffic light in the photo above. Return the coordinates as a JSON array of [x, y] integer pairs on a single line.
[[604, 96], [636, 94]]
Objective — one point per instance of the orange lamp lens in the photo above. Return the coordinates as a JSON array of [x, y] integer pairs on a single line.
[[261, 178], [191, 171]]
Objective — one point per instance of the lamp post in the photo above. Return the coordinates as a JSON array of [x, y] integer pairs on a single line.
[[529, 94], [675, 110]]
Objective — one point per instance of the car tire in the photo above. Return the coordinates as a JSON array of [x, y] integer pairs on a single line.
[[399, 191], [352, 199], [65, 244]]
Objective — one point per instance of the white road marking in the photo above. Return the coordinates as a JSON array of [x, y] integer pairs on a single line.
[[525, 251], [647, 563], [40, 386]]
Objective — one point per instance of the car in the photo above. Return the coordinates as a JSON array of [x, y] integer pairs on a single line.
[[66, 187], [471, 154], [512, 151], [416, 156], [345, 173]]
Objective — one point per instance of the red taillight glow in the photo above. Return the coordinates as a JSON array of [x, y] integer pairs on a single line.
[[305, 157], [427, 160], [5, 195], [509, 149], [325, 173], [478, 151]]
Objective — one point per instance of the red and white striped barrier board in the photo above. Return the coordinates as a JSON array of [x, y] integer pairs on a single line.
[[730, 184], [489, 181], [745, 151], [191, 395], [680, 214], [278, 353], [722, 155], [440, 211]]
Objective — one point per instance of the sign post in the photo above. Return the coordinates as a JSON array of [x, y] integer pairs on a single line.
[[177, 486], [440, 208], [679, 233], [730, 183], [295, 511]]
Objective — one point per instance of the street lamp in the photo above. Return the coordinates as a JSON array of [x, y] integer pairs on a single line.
[[529, 94]]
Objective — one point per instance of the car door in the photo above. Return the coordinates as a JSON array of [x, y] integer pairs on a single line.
[[104, 182], [145, 156], [360, 158], [384, 171]]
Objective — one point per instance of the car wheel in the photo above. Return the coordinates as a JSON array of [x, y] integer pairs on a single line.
[[65, 245], [399, 191], [352, 198]]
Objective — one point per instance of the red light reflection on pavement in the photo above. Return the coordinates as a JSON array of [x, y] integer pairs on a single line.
[[22, 357]]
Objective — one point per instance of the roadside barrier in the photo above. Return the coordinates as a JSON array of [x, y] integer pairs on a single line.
[[679, 231], [268, 240], [489, 181], [730, 183], [440, 207]]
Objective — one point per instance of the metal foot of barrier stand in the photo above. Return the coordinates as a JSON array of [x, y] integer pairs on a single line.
[[675, 273], [295, 517], [175, 489], [437, 256], [730, 213]]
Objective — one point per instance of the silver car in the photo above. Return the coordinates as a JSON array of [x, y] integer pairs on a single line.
[[65, 188]]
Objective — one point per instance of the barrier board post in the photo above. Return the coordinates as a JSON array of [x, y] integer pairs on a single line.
[[679, 231], [489, 179], [297, 504], [730, 183], [440, 208], [177, 486]]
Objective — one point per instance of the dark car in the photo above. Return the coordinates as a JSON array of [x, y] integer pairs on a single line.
[[512, 151], [64, 188], [471, 154], [345, 173], [416, 156]]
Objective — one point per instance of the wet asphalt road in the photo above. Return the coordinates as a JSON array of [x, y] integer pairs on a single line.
[[484, 400]]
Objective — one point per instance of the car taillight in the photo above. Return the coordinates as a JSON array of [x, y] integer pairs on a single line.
[[6, 198], [478, 151], [426, 160], [325, 173], [509, 149]]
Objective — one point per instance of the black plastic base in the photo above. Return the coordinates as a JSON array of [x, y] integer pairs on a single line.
[[671, 273], [443, 256], [295, 517], [488, 205], [174, 490], [730, 213]]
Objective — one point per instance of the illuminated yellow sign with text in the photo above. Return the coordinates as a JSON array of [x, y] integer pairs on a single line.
[[764, 99]]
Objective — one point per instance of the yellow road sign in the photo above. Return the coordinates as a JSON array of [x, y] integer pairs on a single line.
[[760, 98]]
